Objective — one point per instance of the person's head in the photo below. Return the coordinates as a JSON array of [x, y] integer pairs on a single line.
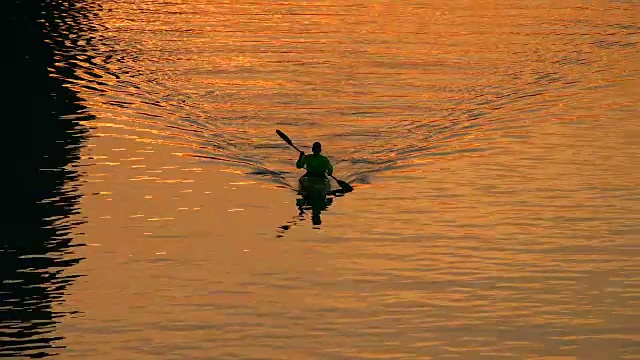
[[316, 148]]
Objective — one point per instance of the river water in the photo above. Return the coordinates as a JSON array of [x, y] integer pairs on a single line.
[[493, 147]]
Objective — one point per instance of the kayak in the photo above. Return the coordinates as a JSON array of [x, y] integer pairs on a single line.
[[314, 185]]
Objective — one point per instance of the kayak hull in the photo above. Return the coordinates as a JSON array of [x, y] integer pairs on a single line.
[[314, 186]]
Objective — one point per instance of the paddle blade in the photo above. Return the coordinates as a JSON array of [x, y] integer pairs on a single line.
[[344, 185], [284, 137]]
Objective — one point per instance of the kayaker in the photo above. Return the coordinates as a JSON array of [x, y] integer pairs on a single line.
[[317, 165]]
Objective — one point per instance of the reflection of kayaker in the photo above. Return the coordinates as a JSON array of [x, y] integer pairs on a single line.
[[315, 180]]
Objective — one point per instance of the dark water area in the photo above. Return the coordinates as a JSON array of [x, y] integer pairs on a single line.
[[44, 137]]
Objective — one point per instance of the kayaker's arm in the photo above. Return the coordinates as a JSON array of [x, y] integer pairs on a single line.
[[300, 162], [329, 168]]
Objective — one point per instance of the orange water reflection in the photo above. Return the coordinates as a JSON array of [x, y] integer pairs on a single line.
[[496, 201]]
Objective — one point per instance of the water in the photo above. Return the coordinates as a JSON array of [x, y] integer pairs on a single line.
[[493, 148]]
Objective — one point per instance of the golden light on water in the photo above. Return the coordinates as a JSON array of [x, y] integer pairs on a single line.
[[491, 147]]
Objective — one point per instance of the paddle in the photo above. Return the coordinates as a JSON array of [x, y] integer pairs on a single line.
[[286, 139], [343, 184]]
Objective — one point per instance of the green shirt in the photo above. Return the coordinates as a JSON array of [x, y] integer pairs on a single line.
[[316, 165]]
